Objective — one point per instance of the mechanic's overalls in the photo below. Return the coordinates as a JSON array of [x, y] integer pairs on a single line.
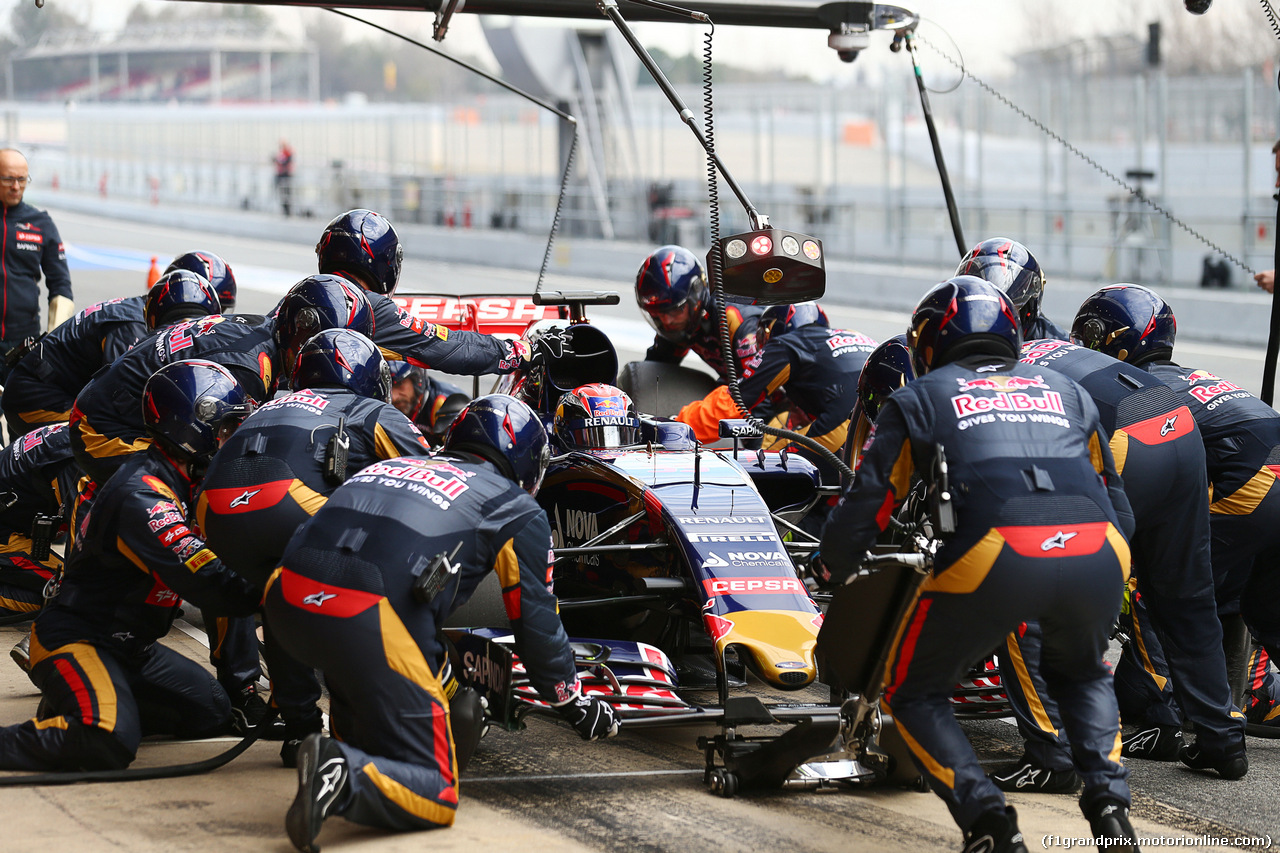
[[342, 602], [1242, 446], [1039, 506], [43, 386], [105, 680], [1175, 644], [268, 479]]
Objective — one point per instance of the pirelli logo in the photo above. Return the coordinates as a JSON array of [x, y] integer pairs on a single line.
[[200, 559]]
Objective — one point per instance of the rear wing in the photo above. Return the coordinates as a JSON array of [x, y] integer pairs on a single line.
[[490, 313]]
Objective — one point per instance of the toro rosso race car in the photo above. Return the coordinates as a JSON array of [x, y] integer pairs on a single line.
[[678, 562]]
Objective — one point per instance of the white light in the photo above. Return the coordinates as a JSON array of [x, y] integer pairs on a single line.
[[735, 249], [790, 245]]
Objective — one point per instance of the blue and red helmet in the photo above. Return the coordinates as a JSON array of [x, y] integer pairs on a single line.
[[215, 269], [1127, 322], [179, 295], [1010, 266], [962, 316], [782, 319], [342, 358], [363, 245], [596, 416], [887, 369], [316, 303], [671, 290], [190, 407], [507, 433]]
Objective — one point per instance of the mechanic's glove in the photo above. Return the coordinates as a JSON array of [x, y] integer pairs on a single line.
[[819, 572], [593, 718], [552, 346]]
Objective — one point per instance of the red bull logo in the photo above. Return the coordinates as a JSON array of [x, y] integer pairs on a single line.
[[1004, 401], [1002, 383], [603, 407]]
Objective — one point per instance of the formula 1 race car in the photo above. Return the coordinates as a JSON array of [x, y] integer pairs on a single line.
[[679, 563]]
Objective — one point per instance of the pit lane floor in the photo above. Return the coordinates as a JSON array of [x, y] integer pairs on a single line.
[[544, 789]]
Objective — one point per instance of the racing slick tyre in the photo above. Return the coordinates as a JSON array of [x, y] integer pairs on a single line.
[[663, 389]]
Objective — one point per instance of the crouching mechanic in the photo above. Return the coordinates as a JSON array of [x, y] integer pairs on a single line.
[[1040, 511], [354, 598], [281, 466], [106, 681], [427, 400]]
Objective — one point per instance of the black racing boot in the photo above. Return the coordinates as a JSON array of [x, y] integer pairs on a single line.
[[322, 780], [1026, 775], [1154, 743], [995, 832], [1109, 822], [1229, 765], [295, 732]]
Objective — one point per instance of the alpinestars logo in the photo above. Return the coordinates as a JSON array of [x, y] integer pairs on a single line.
[[243, 500], [330, 774], [1057, 540], [1169, 425], [318, 598]]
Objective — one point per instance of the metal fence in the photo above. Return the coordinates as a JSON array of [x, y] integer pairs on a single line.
[[850, 165]]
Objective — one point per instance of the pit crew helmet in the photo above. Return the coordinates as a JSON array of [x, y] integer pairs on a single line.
[[213, 268], [1010, 266], [783, 319], [506, 432], [596, 416], [362, 244], [960, 317], [316, 303], [1127, 322], [403, 371], [190, 407], [342, 358], [887, 369], [179, 295], [671, 290]]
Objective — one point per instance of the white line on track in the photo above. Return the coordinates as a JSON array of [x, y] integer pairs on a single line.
[[557, 777]]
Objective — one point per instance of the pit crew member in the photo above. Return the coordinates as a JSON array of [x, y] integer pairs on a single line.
[[1241, 437], [279, 469], [427, 400], [1010, 266], [344, 601], [213, 268], [105, 679], [674, 295], [1040, 513], [362, 246], [1159, 452]]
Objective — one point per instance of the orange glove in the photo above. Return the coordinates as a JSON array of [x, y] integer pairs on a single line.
[[704, 415]]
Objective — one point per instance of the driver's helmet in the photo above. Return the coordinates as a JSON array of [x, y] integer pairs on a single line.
[[782, 319], [596, 416], [213, 268], [671, 290]]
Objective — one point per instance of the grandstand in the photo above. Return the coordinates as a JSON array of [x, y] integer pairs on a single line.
[[206, 62]]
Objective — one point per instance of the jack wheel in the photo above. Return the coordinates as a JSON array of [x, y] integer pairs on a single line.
[[724, 783]]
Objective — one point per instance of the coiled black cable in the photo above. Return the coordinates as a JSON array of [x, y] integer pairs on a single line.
[[1271, 16]]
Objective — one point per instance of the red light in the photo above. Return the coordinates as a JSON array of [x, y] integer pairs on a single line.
[[761, 245]]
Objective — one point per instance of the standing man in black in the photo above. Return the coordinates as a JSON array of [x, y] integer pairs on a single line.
[[29, 245]]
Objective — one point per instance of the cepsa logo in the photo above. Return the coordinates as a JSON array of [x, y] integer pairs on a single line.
[[752, 586], [1008, 396]]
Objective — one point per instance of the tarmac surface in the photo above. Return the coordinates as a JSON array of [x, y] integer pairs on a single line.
[[543, 788]]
